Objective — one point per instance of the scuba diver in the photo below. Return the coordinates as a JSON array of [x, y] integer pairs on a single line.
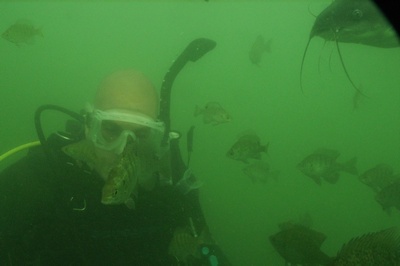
[[105, 191]]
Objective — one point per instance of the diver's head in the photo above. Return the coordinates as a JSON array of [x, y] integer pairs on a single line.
[[126, 104], [128, 90]]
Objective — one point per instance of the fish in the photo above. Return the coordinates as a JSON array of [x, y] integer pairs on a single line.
[[21, 31], [213, 113], [259, 171], [298, 244], [259, 47], [378, 177], [248, 146], [89, 158], [389, 196], [185, 246], [322, 164], [377, 248], [188, 182], [352, 21], [121, 186], [83, 152]]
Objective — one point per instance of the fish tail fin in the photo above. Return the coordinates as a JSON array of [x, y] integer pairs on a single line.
[[197, 111], [350, 166], [267, 45]]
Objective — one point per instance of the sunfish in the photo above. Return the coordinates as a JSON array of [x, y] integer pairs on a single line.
[[21, 31]]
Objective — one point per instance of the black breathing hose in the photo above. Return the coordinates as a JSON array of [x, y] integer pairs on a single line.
[[193, 52], [39, 128]]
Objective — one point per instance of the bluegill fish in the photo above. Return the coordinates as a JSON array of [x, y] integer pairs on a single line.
[[21, 32], [122, 183], [322, 164], [259, 47], [247, 147], [378, 248], [213, 113], [378, 177], [188, 182], [259, 171], [82, 151], [121, 179], [298, 244], [389, 196], [186, 247]]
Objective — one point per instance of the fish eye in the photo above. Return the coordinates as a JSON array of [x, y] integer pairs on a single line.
[[357, 13]]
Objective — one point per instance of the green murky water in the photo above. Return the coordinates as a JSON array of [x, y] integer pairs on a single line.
[[85, 41]]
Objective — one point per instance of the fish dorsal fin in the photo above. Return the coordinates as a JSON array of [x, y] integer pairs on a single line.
[[387, 238]]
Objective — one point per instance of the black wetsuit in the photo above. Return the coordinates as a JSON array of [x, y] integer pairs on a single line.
[[42, 221]]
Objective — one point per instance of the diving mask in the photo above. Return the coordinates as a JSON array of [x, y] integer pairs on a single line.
[[109, 130]]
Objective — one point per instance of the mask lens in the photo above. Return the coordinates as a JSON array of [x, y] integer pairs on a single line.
[[110, 131]]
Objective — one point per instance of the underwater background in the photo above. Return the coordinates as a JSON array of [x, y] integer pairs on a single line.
[[84, 41]]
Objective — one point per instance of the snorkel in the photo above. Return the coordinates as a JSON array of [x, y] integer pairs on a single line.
[[170, 141], [193, 52]]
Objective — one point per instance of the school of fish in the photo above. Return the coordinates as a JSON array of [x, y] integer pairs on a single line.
[[296, 243]]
